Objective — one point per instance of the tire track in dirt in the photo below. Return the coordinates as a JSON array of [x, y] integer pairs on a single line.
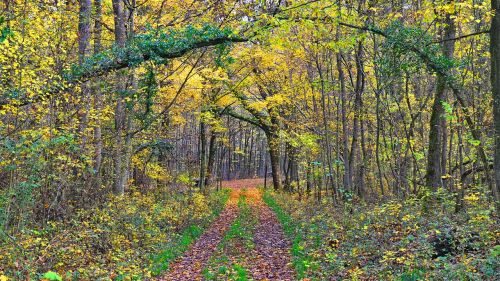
[[271, 259], [268, 260], [189, 267]]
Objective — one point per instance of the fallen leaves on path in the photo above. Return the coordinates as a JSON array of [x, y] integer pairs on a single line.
[[190, 266], [243, 183], [270, 259]]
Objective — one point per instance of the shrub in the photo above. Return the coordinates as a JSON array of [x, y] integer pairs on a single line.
[[131, 238]]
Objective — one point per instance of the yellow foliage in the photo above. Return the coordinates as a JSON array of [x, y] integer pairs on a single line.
[[111, 241]]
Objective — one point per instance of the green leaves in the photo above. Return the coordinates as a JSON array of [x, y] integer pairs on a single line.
[[472, 140], [50, 275], [405, 46], [448, 108], [157, 45], [495, 251], [5, 31]]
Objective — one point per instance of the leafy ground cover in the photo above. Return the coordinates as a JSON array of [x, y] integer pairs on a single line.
[[254, 234], [253, 247], [391, 241], [131, 238]]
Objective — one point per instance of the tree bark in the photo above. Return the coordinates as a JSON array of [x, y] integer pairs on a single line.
[[325, 127], [85, 10], [97, 99], [132, 81], [120, 41], [355, 158], [274, 157], [203, 155], [435, 156], [212, 151], [495, 85], [345, 128], [83, 107]]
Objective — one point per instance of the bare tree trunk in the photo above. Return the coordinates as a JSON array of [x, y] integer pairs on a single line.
[[211, 158], [120, 116], [345, 128], [325, 127], [126, 171], [377, 144], [495, 84], [354, 157], [461, 192], [83, 51], [97, 98], [83, 106], [274, 157], [203, 155]]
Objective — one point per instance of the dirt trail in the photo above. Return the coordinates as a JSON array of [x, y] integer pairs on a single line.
[[270, 258], [189, 267]]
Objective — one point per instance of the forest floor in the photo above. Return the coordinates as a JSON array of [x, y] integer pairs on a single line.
[[246, 242]]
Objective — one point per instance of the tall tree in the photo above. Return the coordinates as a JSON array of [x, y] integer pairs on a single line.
[[84, 23], [436, 131], [98, 97], [120, 111], [495, 87]]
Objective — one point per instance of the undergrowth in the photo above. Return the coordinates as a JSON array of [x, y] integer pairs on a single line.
[[391, 241], [131, 238]]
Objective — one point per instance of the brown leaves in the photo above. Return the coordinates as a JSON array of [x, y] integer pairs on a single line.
[[270, 258]]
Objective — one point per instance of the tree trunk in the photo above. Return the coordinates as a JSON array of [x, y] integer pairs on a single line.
[[354, 158], [377, 144], [495, 84], [83, 106], [203, 155], [273, 145], [345, 128], [434, 171], [127, 155], [211, 159], [97, 99], [120, 116], [326, 128]]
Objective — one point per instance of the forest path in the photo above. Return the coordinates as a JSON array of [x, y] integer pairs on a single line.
[[270, 259], [246, 242]]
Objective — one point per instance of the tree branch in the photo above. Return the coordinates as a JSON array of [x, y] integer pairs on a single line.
[[229, 111], [160, 47], [462, 37]]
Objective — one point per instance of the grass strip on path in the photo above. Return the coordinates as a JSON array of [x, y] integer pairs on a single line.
[[229, 260], [189, 266]]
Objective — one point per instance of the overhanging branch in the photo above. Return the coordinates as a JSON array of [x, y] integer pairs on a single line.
[[159, 47]]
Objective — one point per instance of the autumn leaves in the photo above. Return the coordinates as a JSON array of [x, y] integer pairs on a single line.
[[245, 243]]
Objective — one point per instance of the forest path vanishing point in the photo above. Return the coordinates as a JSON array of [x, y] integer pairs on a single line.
[[246, 242]]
